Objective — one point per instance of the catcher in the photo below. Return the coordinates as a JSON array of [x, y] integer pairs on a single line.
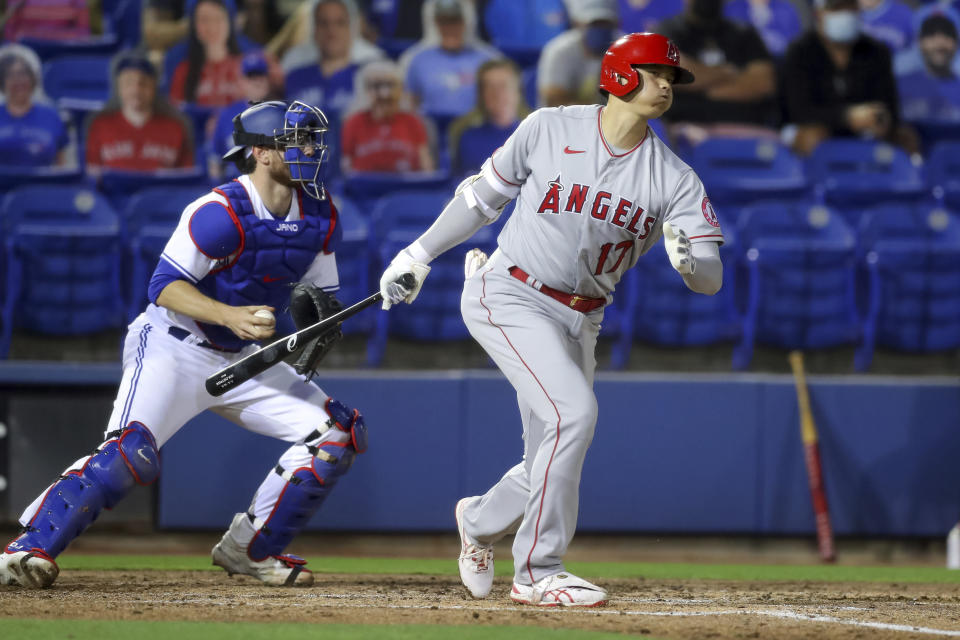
[[236, 255]]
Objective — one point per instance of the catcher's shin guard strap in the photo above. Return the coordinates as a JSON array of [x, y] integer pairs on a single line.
[[304, 492], [102, 479]]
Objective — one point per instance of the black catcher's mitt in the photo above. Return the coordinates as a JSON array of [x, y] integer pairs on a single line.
[[309, 305]]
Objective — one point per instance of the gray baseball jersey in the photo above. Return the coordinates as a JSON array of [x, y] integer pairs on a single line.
[[585, 213]]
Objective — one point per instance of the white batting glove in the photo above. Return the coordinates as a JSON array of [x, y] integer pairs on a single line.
[[678, 249], [394, 292], [474, 259]]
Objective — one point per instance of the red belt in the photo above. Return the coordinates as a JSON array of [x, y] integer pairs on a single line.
[[575, 302]]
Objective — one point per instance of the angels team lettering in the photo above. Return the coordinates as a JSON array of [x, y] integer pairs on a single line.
[[600, 205]]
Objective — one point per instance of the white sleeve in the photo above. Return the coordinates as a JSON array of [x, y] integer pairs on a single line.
[[508, 167], [323, 273], [690, 209], [182, 253], [708, 277]]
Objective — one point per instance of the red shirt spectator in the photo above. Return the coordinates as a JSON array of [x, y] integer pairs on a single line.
[[380, 135], [219, 83], [137, 130], [390, 144], [160, 143]]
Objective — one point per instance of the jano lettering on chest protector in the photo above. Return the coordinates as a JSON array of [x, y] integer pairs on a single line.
[[602, 207]]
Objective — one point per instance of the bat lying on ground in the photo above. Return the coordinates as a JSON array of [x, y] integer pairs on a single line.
[[259, 361]]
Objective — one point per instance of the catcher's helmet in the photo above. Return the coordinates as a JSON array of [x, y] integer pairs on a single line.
[[636, 49], [294, 128]]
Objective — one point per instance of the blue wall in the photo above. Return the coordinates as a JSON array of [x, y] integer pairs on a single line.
[[672, 453]]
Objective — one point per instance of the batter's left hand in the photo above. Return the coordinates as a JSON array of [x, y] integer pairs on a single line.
[[678, 249]]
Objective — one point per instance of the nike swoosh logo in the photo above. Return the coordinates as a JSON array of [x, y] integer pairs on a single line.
[[567, 149], [140, 453], [272, 279]]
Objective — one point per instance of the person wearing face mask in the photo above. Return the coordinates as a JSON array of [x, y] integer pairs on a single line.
[[839, 82], [381, 135], [570, 62], [734, 93], [932, 94]]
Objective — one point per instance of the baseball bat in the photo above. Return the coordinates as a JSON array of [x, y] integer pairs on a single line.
[[811, 450], [259, 361]]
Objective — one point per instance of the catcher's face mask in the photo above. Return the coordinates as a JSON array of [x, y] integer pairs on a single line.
[[303, 147]]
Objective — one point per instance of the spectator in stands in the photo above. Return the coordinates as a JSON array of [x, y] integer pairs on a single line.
[[210, 74], [137, 130], [933, 93], [911, 59], [839, 82], [255, 84], [328, 29], [524, 26], [49, 20], [440, 70], [500, 107], [380, 135], [637, 16], [570, 63], [736, 83], [327, 80], [777, 21], [31, 131], [889, 21]]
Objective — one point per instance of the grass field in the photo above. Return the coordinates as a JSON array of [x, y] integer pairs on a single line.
[[149, 597]]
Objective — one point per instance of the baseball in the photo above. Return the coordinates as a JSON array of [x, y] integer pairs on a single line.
[[264, 313]]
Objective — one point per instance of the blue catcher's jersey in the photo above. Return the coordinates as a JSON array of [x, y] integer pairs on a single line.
[[235, 251]]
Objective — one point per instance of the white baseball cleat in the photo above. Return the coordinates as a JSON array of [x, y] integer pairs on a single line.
[[476, 560], [559, 590], [31, 569], [277, 571]]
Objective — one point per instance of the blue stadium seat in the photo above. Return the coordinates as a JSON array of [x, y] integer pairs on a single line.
[[13, 176], [366, 187], [149, 218], [145, 246], [659, 308], [159, 205], [353, 265], [80, 80], [739, 171], [119, 186], [943, 173], [912, 258], [408, 211], [435, 315], [63, 260], [800, 278], [850, 174]]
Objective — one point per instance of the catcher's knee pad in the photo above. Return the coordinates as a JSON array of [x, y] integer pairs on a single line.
[[348, 420], [307, 487], [102, 479]]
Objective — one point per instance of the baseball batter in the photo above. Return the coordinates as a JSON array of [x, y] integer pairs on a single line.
[[231, 262], [595, 190]]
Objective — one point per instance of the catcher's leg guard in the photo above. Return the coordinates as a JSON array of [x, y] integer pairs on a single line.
[[74, 501], [308, 486]]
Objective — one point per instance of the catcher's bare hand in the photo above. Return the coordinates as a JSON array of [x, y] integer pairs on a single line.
[[246, 325]]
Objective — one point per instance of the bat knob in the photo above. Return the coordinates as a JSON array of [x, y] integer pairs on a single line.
[[407, 281]]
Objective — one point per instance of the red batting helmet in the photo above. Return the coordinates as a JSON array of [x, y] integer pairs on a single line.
[[635, 49]]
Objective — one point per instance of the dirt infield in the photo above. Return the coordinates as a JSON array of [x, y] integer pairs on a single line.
[[676, 609]]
